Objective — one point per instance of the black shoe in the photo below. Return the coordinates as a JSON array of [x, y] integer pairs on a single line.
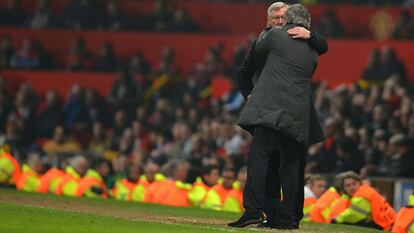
[[266, 224], [245, 221]]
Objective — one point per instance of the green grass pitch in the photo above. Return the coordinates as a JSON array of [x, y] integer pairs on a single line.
[[30, 212]]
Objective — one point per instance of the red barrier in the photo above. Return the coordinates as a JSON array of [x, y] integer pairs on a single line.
[[342, 64], [243, 18], [59, 81]]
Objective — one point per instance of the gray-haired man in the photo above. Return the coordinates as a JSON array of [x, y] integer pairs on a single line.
[[281, 115]]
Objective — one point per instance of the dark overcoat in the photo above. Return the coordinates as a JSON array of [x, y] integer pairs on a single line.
[[282, 97]]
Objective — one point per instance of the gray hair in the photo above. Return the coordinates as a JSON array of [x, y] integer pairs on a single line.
[[298, 14], [275, 7]]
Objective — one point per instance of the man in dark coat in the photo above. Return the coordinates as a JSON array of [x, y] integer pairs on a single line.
[[281, 116]]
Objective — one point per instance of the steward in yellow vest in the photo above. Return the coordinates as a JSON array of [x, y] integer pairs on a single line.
[[68, 185], [234, 201], [367, 207], [209, 178], [93, 183], [10, 171], [124, 187], [314, 188], [30, 180], [216, 196], [405, 218], [152, 175]]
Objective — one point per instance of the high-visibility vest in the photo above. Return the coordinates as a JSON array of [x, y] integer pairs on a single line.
[[10, 171], [29, 180], [234, 201], [90, 180], [404, 222], [198, 193], [339, 206], [68, 185], [215, 197], [50, 180], [382, 212], [308, 204], [123, 189], [321, 209], [178, 195], [158, 191], [138, 193]]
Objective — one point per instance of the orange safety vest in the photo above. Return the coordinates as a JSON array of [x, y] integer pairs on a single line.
[[339, 206], [321, 204], [128, 185], [47, 178], [88, 182], [382, 212], [308, 204], [404, 219], [238, 195], [17, 172], [66, 179], [28, 172], [222, 192], [158, 191], [178, 195]]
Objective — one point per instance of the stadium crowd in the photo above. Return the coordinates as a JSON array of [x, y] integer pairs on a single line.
[[144, 133], [168, 18]]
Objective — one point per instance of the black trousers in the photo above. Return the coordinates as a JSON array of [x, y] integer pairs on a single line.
[[275, 166]]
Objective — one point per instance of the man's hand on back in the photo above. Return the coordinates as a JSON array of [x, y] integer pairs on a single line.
[[299, 32]]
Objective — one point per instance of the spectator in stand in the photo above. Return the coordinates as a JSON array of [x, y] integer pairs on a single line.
[[114, 18], [106, 61], [5, 108], [6, 51], [79, 57], [404, 29], [96, 107], [119, 126], [391, 64], [182, 22], [13, 14], [27, 57], [24, 112], [61, 144], [76, 113], [42, 17], [45, 60], [52, 115], [82, 14], [349, 157], [99, 142], [330, 26], [138, 64], [182, 144], [374, 70], [167, 64], [160, 19], [125, 92]]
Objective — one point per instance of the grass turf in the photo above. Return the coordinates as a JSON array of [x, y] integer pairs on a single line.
[[29, 212]]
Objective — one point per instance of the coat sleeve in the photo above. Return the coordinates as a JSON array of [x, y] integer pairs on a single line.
[[245, 72], [265, 42], [319, 42]]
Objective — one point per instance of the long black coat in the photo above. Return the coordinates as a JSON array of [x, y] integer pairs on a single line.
[[282, 97]]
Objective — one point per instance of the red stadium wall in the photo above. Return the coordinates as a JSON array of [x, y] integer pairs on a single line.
[[245, 18], [342, 64]]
